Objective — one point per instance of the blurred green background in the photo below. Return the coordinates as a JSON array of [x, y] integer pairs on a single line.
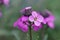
[[12, 13]]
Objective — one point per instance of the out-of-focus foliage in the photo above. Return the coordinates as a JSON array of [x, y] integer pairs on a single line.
[[12, 13]]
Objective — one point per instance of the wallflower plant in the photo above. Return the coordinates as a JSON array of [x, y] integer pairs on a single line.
[[34, 20]]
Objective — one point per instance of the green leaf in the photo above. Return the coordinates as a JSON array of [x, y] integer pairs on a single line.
[[46, 37]]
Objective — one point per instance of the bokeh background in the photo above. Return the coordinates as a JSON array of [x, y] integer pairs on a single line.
[[12, 13]]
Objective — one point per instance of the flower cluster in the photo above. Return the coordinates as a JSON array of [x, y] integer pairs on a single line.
[[5, 2], [34, 19]]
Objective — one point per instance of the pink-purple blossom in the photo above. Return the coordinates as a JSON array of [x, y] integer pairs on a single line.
[[36, 28], [50, 19], [5, 2], [26, 11], [23, 10], [21, 23], [1, 1], [36, 18]]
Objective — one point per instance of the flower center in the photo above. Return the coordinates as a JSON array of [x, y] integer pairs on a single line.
[[35, 18]]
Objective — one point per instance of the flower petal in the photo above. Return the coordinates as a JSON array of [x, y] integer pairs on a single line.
[[20, 23], [15, 24], [40, 18], [36, 28], [50, 18], [23, 18], [22, 26], [51, 25], [37, 23], [47, 19], [28, 7], [34, 14], [6, 2], [48, 12], [27, 23], [31, 18]]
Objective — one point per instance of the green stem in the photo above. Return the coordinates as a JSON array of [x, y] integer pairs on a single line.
[[43, 33], [30, 32]]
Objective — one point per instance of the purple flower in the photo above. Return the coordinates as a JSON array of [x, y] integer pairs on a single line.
[[36, 28], [36, 18], [22, 26], [1, 1], [21, 23], [26, 11], [27, 8], [50, 19], [5, 2]]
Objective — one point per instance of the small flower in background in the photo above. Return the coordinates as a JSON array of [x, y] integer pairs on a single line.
[[1, 2], [26, 11], [50, 19], [27, 8], [36, 18], [21, 23], [5, 2]]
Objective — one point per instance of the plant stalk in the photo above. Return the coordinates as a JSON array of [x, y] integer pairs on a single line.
[[43, 33], [30, 32]]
